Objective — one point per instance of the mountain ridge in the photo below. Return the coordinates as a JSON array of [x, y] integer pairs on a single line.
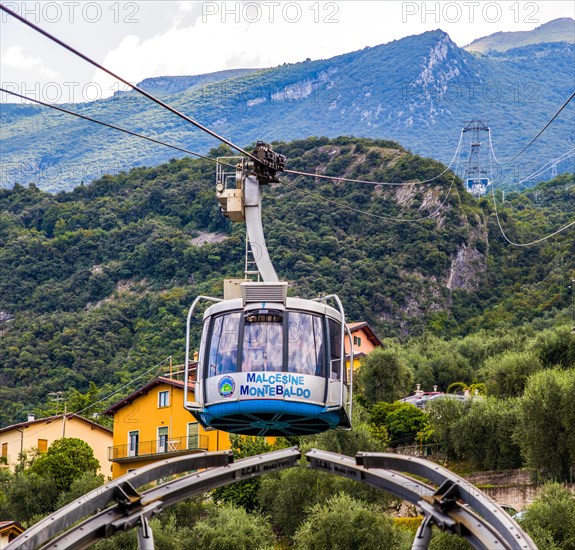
[[419, 91], [557, 30], [167, 85]]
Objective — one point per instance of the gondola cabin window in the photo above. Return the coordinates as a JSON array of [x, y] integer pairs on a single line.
[[306, 344], [223, 356], [263, 342], [335, 349]]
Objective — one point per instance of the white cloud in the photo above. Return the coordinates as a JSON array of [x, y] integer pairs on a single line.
[[15, 57], [49, 73]]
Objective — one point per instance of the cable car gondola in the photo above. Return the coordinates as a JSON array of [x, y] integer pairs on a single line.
[[268, 364]]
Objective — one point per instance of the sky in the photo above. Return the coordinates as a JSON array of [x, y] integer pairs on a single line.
[[140, 39]]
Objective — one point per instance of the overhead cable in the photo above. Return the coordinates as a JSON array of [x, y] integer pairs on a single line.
[[501, 230], [369, 182], [113, 127], [370, 214], [538, 135], [124, 81]]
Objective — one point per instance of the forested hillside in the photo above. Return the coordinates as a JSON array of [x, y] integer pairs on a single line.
[[95, 283]]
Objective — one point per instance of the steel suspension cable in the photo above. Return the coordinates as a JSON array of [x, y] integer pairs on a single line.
[[124, 81], [113, 127], [501, 230], [399, 184], [538, 135]]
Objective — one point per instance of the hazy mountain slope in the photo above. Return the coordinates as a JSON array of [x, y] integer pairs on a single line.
[[419, 91], [558, 30], [165, 85]]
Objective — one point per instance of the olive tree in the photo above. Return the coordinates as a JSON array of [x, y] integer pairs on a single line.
[[547, 416], [384, 376], [343, 522]]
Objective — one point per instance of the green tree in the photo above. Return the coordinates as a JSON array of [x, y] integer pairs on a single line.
[[29, 496], [80, 486], [229, 527], [443, 415], [347, 524], [404, 423], [550, 520], [383, 376], [449, 367], [456, 387], [505, 375], [556, 347], [442, 540], [545, 431], [347, 442], [244, 493], [67, 459], [485, 434]]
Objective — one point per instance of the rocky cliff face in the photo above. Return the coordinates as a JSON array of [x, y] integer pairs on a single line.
[[470, 262]]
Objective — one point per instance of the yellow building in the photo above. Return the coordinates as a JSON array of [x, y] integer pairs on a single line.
[[152, 423], [364, 341], [39, 434]]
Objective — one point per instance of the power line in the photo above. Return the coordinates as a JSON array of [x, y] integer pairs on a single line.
[[532, 242], [371, 215], [159, 142], [155, 367], [501, 230], [549, 164], [538, 135], [124, 81], [136, 88], [378, 216], [129, 132], [349, 180]]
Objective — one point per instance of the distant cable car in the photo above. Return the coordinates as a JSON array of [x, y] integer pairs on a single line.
[[268, 364]]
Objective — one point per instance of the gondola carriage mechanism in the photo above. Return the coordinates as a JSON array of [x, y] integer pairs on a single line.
[[268, 364]]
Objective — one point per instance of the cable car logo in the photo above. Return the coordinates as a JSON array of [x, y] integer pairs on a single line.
[[226, 386]]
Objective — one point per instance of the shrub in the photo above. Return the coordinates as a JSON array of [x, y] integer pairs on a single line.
[[345, 523]]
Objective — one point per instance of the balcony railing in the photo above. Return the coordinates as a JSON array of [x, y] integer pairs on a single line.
[[173, 445]]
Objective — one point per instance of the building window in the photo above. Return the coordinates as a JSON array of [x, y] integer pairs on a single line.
[[42, 445], [357, 341], [4, 450], [163, 399], [133, 443], [193, 435], [162, 439]]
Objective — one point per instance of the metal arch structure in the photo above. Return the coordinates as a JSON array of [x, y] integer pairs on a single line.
[[455, 506], [121, 490]]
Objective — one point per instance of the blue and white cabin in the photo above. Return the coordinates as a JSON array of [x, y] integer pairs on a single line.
[[271, 365]]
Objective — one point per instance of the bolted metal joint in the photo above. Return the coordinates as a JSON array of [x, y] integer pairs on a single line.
[[268, 164], [126, 496]]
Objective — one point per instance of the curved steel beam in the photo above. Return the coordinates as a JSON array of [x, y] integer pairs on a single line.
[[413, 491], [449, 507], [453, 487], [97, 499], [126, 515]]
